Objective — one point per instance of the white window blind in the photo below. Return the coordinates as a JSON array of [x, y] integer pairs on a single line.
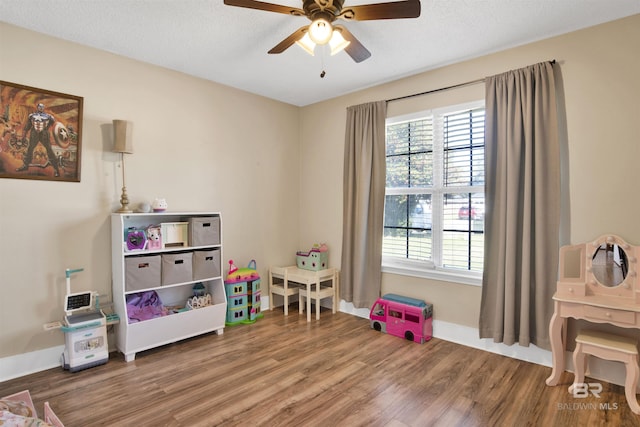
[[434, 206]]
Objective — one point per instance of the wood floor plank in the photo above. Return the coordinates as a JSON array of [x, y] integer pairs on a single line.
[[284, 371]]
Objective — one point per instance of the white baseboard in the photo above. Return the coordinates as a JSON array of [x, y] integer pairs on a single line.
[[612, 372], [30, 363], [603, 370], [467, 336]]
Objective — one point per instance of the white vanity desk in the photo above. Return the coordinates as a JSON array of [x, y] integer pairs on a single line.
[[598, 282]]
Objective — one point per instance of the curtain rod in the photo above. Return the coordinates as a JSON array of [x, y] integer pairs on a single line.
[[472, 82]]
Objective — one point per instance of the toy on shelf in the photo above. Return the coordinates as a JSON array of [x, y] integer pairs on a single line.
[[154, 237], [159, 205], [242, 286], [316, 259], [199, 290], [200, 297], [402, 316], [144, 207], [145, 305], [199, 302], [174, 234], [135, 239]]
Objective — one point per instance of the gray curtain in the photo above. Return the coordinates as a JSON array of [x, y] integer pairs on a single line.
[[363, 208], [522, 164]]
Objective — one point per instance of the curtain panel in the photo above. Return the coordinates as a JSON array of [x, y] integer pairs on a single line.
[[522, 164], [363, 203]]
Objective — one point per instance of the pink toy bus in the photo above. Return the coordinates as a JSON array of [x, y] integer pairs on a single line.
[[403, 317]]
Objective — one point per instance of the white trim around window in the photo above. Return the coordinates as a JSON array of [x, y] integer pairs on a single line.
[[430, 269], [427, 270]]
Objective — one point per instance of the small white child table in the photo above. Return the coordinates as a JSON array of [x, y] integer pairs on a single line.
[[307, 278]]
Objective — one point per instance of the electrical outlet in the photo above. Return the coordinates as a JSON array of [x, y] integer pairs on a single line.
[[52, 325]]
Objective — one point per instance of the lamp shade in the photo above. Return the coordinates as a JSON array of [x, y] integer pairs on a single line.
[[320, 31], [122, 142], [337, 42], [307, 44]]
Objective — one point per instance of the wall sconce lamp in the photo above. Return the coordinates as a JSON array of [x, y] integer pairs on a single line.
[[122, 144], [321, 32]]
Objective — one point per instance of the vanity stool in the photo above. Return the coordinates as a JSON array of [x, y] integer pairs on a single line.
[[609, 347]]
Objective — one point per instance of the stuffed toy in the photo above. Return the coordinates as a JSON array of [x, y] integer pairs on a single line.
[[154, 238]]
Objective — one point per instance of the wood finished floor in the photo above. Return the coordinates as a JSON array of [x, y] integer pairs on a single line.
[[283, 371]]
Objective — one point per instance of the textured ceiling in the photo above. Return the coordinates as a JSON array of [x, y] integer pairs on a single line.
[[229, 45]]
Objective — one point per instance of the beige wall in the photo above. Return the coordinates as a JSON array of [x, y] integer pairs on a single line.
[[600, 68], [202, 146], [277, 181]]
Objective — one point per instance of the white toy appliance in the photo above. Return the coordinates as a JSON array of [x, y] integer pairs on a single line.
[[85, 329]]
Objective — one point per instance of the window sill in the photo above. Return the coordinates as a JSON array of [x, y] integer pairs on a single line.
[[473, 279]]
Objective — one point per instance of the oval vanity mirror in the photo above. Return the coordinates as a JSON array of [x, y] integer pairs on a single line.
[[610, 264]]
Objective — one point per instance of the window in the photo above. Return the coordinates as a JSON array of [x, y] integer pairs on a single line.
[[396, 314], [434, 204], [412, 318]]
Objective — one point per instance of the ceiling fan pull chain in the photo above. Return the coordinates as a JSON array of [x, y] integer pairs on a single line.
[[323, 72]]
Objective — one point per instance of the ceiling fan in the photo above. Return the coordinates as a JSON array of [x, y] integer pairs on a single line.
[[323, 13]]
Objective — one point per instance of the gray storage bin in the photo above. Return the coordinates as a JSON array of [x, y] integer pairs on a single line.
[[177, 268], [204, 231], [142, 272], [206, 264]]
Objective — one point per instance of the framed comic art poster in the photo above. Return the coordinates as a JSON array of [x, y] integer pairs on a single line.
[[41, 133]]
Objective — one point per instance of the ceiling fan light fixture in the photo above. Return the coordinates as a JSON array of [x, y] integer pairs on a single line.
[[320, 31], [307, 44], [337, 42]]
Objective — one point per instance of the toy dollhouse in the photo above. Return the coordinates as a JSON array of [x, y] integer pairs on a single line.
[[315, 260], [242, 286]]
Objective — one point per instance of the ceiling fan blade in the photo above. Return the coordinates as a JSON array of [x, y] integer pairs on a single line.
[[269, 7], [355, 49], [391, 10], [286, 43]]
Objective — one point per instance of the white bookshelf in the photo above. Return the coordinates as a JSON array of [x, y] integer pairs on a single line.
[[135, 337]]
